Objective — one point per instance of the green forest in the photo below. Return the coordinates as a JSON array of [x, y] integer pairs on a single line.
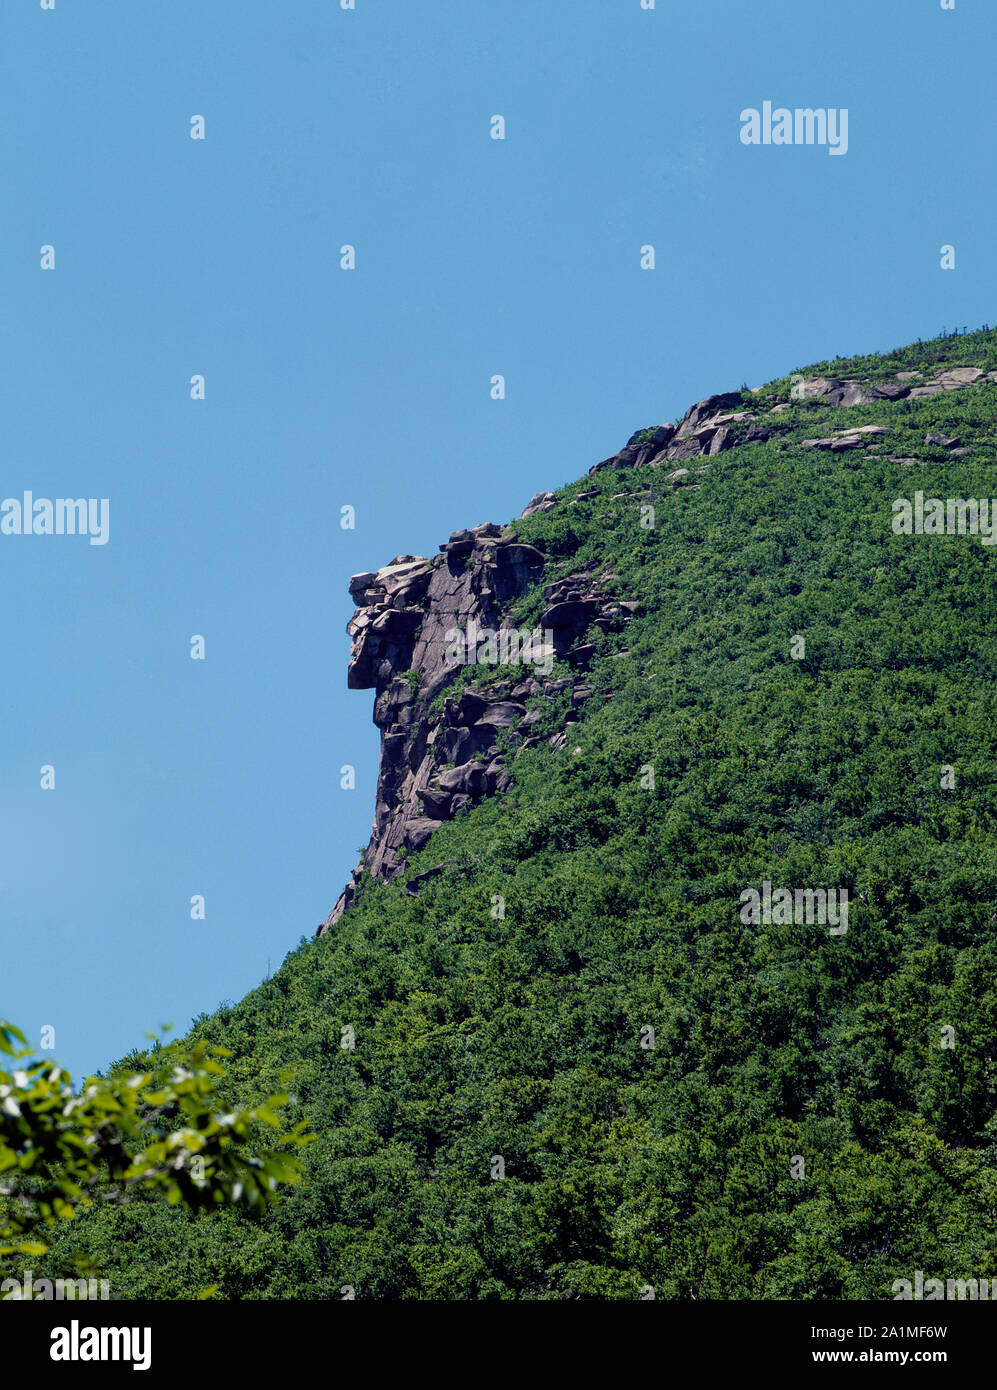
[[575, 1071]]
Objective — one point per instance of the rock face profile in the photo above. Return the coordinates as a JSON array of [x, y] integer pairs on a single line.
[[412, 635], [420, 622]]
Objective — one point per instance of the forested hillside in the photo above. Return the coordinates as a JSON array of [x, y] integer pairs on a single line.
[[564, 1065]]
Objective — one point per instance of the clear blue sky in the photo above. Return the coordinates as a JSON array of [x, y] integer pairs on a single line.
[[371, 387]]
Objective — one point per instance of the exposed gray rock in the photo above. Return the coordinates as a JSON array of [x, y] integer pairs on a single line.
[[690, 448], [952, 379], [469, 777], [436, 804], [418, 830], [640, 449], [830, 391], [703, 410], [581, 657], [539, 502], [845, 439], [503, 714]]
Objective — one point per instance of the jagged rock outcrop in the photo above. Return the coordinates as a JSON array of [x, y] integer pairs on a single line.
[[540, 502], [706, 427], [846, 439], [413, 617]]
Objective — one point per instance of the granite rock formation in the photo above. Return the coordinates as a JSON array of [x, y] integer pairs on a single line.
[[437, 757]]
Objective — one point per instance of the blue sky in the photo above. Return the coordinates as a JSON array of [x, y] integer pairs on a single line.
[[371, 387]]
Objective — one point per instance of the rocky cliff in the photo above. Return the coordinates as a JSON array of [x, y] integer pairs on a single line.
[[420, 621]]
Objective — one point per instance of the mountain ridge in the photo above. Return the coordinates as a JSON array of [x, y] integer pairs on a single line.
[[406, 608]]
